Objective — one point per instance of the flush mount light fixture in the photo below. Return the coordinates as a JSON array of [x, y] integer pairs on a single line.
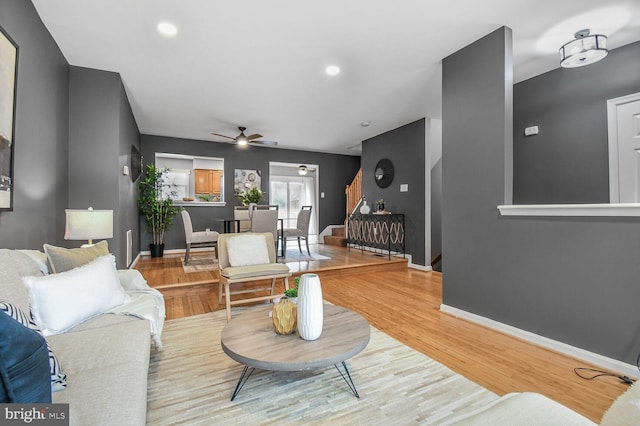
[[584, 50], [302, 170], [167, 29], [365, 123], [332, 70]]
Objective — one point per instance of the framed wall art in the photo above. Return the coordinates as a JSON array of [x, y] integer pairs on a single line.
[[244, 180], [8, 77]]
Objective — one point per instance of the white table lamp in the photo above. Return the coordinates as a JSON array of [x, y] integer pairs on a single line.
[[88, 224]]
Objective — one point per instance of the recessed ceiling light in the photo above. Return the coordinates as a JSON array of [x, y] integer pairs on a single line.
[[167, 29], [332, 70]]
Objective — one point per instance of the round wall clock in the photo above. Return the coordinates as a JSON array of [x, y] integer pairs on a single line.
[[384, 173]]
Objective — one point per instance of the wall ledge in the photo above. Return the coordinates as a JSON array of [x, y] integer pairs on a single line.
[[577, 210]]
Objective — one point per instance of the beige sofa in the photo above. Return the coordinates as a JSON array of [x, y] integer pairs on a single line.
[[528, 408], [106, 357]]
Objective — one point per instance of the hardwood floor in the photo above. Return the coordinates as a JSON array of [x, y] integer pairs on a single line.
[[404, 303]]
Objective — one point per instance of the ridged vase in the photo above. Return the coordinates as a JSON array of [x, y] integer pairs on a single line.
[[310, 310], [284, 316]]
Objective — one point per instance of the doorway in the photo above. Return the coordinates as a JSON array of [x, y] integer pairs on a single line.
[[623, 115], [290, 190]]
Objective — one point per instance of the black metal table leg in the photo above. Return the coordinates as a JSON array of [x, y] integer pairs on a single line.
[[349, 382], [242, 380]]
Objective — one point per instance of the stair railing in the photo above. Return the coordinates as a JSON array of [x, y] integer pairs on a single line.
[[354, 198]]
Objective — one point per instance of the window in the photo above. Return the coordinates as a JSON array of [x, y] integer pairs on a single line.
[[192, 179]]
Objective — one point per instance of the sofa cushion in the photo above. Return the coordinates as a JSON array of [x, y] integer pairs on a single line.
[[24, 364], [58, 378], [625, 410], [246, 250], [63, 259], [526, 408], [61, 301], [108, 369], [13, 266]]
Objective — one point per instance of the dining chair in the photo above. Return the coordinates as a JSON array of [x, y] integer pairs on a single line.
[[197, 239], [301, 231], [265, 220]]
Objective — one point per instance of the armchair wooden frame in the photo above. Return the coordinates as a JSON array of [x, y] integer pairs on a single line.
[[242, 274]]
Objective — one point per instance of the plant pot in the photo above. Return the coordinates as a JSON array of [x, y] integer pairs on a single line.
[[157, 250]]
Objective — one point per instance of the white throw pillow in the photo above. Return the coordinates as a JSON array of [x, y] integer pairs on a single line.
[[61, 301], [246, 250]]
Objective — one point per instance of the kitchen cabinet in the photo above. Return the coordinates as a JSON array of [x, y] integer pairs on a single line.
[[207, 181]]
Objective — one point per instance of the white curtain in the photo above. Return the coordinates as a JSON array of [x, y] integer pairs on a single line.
[[290, 193]]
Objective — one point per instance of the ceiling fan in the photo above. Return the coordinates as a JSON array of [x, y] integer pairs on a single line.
[[242, 139]]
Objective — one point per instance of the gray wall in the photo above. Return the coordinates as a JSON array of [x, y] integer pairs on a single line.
[[405, 147], [335, 172], [41, 133], [101, 132], [436, 210], [574, 280], [568, 161]]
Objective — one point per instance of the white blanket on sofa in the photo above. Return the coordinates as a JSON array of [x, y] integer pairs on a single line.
[[144, 302]]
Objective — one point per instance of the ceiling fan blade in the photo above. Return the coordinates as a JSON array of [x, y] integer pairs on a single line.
[[265, 143], [233, 142], [254, 136], [223, 136]]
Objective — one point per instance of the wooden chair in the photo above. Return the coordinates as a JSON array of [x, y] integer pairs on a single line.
[[197, 239], [248, 257]]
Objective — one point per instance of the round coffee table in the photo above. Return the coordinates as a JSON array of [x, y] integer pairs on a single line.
[[251, 340]]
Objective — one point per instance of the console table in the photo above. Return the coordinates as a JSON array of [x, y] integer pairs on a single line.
[[378, 231]]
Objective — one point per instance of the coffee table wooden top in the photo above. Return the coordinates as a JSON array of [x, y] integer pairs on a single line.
[[251, 340]]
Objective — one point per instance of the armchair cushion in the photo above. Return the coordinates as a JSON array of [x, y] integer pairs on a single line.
[[247, 250], [63, 259], [61, 301], [239, 272]]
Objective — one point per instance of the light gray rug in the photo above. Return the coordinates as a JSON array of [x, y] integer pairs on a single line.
[[191, 381]]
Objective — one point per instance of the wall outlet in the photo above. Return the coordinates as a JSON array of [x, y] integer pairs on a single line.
[[530, 131], [404, 187], [125, 170]]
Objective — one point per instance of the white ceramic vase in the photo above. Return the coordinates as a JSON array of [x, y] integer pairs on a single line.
[[365, 208], [310, 311]]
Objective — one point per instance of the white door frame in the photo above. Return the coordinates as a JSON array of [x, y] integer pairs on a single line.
[[612, 123]]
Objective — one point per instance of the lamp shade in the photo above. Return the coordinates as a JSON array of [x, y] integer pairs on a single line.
[[584, 50], [88, 224]]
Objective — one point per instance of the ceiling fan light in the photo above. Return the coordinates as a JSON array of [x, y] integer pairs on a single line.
[[302, 170], [585, 49]]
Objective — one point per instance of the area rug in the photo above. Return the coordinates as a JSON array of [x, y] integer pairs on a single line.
[[296, 256], [200, 263], [191, 381]]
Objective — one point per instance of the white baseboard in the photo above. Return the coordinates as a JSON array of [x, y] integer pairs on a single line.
[[601, 361], [135, 261]]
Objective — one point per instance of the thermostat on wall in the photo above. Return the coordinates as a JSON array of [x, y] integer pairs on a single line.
[[530, 131]]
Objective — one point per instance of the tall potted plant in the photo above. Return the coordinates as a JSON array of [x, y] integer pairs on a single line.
[[158, 211]]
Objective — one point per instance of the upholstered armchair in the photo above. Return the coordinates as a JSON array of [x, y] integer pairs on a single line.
[[247, 257]]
